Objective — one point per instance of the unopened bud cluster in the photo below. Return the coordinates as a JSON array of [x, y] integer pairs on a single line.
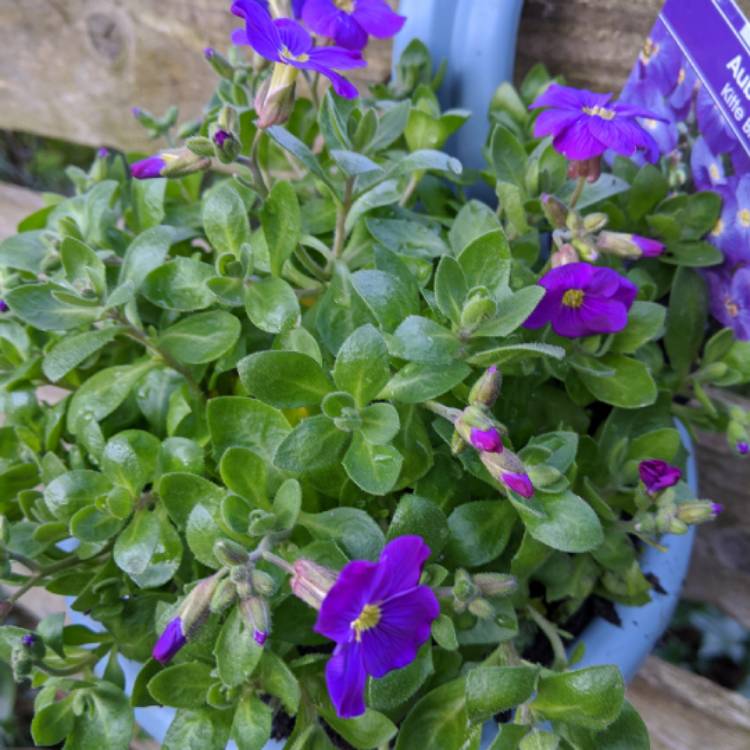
[[473, 594]]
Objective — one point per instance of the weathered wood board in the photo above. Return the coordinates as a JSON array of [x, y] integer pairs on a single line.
[[15, 203]]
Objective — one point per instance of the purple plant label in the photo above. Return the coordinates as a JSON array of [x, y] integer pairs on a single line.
[[714, 36]]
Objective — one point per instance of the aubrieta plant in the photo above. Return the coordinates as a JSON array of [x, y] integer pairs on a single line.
[[337, 454]]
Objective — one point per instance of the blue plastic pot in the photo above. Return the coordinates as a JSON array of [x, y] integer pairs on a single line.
[[478, 38]]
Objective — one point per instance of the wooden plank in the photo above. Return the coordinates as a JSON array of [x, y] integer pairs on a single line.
[[73, 69], [15, 203], [684, 711]]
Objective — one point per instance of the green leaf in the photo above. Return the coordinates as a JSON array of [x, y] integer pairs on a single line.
[[539, 740], [408, 238], [129, 459], [645, 323], [508, 157], [374, 468], [474, 220], [69, 493], [479, 532], [383, 194], [182, 685], [71, 351], [607, 186], [225, 219], [202, 532], [398, 686], [507, 352], [148, 201], [591, 698], [649, 188], [36, 305], [237, 654], [444, 633], [278, 680], [509, 736], [282, 224], [24, 252], [284, 379], [202, 729], [440, 720], [380, 423], [145, 253], [202, 337], [512, 311], [108, 721], [427, 159], [251, 728], [246, 423], [422, 340], [354, 164], [562, 521], [90, 524], [272, 305], [180, 285], [352, 529], [297, 148], [492, 690], [630, 387], [245, 473], [53, 723], [83, 267], [422, 517], [450, 288], [486, 262], [389, 298], [369, 731], [391, 125], [627, 732], [417, 382], [180, 492], [315, 443], [362, 365], [686, 319]]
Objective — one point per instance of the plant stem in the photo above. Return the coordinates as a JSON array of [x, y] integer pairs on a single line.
[[343, 212], [577, 192], [27, 561], [549, 629], [254, 166], [410, 188], [279, 562], [447, 412]]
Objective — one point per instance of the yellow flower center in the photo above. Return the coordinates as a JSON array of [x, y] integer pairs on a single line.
[[744, 217], [287, 55], [681, 77], [718, 229], [597, 111], [713, 170], [573, 298], [649, 51], [368, 618], [651, 124], [346, 5]]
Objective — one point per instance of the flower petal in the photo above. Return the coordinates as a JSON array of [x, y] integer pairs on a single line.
[[559, 97], [399, 567], [553, 121], [547, 309], [348, 33], [377, 18], [404, 626], [345, 600], [340, 84], [578, 143], [262, 34], [320, 16], [599, 315], [293, 36], [336, 58], [346, 678]]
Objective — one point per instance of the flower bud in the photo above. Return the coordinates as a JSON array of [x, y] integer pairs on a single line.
[[495, 584], [196, 606], [275, 99], [175, 163], [658, 475], [312, 582], [170, 641], [219, 63], [482, 609], [564, 255], [34, 644], [224, 596], [628, 245], [21, 662], [698, 511], [457, 443], [509, 470], [478, 308], [487, 389], [591, 169], [595, 222], [145, 118], [189, 129], [226, 146], [555, 211], [743, 448], [258, 617], [486, 440], [230, 553], [262, 582], [585, 248], [463, 586], [677, 527], [201, 146]]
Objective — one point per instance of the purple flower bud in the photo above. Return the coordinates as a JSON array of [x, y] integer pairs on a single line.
[[170, 641], [486, 440], [312, 582], [649, 248], [28, 640], [209, 52], [149, 168], [103, 153], [743, 448], [658, 475], [3, 306], [221, 137], [137, 111], [717, 509], [260, 637], [519, 483]]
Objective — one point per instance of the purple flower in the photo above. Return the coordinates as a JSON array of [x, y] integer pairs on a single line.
[[658, 475], [519, 483], [379, 616], [170, 641], [584, 124], [297, 6], [717, 509], [729, 297], [712, 125], [508, 469], [583, 300], [743, 448], [221, 137], [3, 306], [260, 637], [147, 169], [736, 241], [660, 60], [649, 248], [681, 99], [103, 153], [486, 440], [723, 235], [661, 125], [28, 640], [349, 22], [707, 168]]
